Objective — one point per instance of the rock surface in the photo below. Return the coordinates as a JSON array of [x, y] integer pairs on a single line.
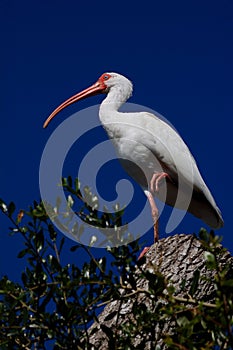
[[177, 258]]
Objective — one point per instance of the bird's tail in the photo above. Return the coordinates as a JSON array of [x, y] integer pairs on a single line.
[[204, 207]]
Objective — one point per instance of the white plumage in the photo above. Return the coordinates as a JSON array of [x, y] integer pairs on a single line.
[[147, 145]]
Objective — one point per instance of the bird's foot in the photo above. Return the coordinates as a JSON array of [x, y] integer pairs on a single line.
[[156, 238], [155, 180], [145, 250]]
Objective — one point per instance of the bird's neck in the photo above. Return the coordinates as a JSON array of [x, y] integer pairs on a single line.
[[114, 100]]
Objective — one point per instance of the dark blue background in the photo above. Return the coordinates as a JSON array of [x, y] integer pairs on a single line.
[[178, 54]]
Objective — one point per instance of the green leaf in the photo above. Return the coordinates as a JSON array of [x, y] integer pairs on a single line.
[[194, 285], [64, 181], [61, 245], [3, 206], [69, 181], [110, 316], [227, 283], [54, 263], [210, 259], [77, 185], [107, 331], [23, 253], [24, 278], [203, 234], [70, 201], [74, 248], [182, 321], [39, 240], [11, 208], [52, 232]]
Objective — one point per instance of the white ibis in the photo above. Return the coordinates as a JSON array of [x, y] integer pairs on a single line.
[[151, 151]]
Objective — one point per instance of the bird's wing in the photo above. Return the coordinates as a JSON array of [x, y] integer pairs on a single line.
[[170, 149]]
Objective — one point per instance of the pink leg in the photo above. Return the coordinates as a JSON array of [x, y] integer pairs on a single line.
[[154, 213], [155, 216], [154, 187], [156, 178]]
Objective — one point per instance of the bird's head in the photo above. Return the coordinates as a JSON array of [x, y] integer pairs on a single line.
[[105, 83], [111, 80]]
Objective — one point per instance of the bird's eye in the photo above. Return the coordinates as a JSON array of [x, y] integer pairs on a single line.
[[106, 77]]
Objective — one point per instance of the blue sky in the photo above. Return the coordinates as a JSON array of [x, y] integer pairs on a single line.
[[178, 54]]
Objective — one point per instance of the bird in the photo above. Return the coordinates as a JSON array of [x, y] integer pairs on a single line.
[[151, 151]]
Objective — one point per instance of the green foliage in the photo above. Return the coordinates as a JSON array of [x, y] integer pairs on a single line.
[[111, 230], [54, 304]]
